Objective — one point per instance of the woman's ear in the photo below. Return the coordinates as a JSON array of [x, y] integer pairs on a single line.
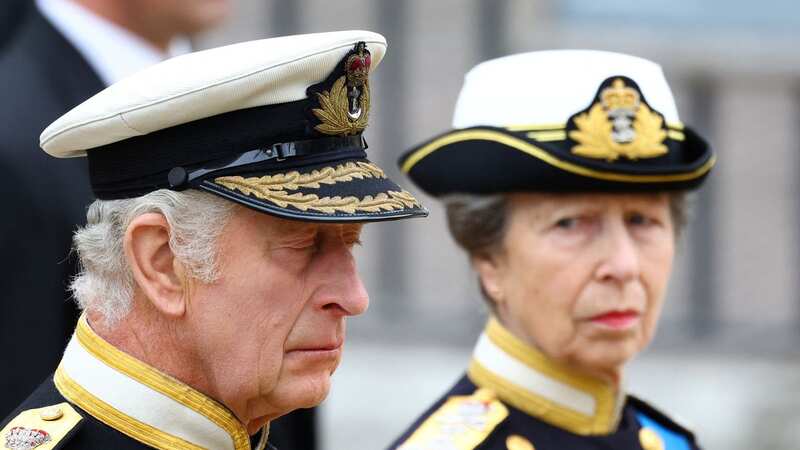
[[156, 271], [490, 276]]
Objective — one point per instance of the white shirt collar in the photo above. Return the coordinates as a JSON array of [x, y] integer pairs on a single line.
[[112, 51]]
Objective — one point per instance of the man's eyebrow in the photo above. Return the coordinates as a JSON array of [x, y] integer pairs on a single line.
[[288, 228], [355, 228]]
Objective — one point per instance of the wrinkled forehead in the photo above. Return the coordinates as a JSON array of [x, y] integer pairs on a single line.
[[542, 204]]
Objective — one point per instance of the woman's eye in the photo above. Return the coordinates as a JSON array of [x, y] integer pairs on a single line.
[[639, 219], [567, 223]]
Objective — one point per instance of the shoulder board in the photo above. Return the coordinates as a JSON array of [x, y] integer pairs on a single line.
[[461, 423], [41, 428], [671, 434]]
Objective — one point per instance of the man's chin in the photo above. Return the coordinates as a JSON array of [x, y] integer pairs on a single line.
[[291, 393], [308, 389], [314, 393]]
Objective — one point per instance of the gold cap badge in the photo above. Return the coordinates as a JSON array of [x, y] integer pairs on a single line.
[[344, 109], [619, 123]]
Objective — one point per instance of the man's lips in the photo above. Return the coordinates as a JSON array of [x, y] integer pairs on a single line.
[[616, 319], [322, 347]]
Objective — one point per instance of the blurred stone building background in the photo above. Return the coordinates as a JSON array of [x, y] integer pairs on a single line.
[[726, 358]]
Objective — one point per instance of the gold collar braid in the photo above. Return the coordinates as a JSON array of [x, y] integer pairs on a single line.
[[607, 400], [152, 378]]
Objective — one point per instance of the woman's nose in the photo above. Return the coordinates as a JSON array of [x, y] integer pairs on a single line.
[[620, 259]]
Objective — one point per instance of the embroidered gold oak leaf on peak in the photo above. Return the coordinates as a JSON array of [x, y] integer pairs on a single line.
[[295, 180], [384, 201], [334, 108], [277, 189], [595, 138]]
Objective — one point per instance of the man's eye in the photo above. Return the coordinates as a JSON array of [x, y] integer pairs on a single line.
[[306, 246]]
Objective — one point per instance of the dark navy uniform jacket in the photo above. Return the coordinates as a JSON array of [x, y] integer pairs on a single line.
[[514, 398], [83, 431], [101, 398], [636, 416]]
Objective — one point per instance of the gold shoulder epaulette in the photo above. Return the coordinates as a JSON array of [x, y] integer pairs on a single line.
[[461, 423], [40, 428]]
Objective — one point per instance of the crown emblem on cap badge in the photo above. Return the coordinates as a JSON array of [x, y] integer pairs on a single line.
[[618, 124], [21, 438], [344, 110]]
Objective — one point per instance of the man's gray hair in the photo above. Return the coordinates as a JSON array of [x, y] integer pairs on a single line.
[[105, 282]]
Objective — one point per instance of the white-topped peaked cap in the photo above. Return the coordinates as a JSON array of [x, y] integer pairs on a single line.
[[547, 87], [203, 84], [562, 121], [275, 125]]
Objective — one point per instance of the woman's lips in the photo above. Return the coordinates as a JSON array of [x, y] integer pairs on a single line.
[[617, 320]]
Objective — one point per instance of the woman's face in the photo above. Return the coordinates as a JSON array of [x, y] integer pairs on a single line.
[[582, 277]]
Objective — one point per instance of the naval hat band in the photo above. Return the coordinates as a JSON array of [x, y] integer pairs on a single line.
[[408, 162], [140, 164], [321, 149]]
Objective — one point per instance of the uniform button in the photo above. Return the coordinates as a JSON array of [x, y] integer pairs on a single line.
[[51, 413], [517, 442], [485, 395], [650, 440]]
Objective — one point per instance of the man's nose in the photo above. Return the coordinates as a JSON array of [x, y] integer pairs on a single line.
[[348, 293]]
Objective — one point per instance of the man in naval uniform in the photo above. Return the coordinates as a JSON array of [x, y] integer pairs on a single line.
[[564, 180], [217, 271]]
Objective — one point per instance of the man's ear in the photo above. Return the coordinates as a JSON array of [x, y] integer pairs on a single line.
[[156, 271], [490, 276]]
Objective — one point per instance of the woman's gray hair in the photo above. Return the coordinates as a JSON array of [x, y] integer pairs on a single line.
[[478, 222], [105, 282]]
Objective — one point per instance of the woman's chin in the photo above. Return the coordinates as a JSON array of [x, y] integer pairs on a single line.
[[606, 357]]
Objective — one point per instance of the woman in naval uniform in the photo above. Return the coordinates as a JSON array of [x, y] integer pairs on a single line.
[[564, 180]]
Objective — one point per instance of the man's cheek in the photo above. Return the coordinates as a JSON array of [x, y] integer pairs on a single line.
[[271, 364]]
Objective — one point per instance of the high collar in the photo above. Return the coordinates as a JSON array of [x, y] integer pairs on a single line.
[[142, 402], [526, 379]]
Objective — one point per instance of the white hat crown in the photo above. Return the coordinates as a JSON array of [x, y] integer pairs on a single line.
[[547, 87], [203, 84]]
